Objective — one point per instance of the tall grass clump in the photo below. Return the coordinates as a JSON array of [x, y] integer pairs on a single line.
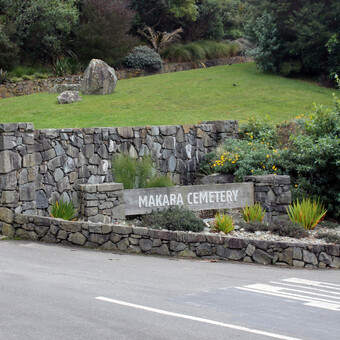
[[199, 51], [137, 173], [308, 212]]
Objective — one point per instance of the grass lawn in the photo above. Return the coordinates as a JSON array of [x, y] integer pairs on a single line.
[[186, 97]]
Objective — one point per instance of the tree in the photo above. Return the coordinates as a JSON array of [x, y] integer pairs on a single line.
[[104, 30], [304, 27], [41, 28], [163, 15]]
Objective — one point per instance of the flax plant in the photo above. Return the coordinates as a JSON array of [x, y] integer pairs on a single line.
[[223, 222], [64, 210], [253, 213], [308, 212]]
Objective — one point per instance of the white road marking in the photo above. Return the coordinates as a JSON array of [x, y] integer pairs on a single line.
[[298, 291], [194, 318]]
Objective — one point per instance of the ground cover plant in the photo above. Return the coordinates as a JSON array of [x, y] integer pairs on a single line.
[[175, 98]]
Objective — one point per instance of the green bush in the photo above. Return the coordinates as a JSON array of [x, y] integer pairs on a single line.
[[137, 173], [243, 157], [285, 227], [174, 218], [281, 227], [143, 57], [63, 210]]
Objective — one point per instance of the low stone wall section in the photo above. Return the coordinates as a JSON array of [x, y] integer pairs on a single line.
[[272, 192], [137, 240], [66, 158], [27, 87], [101, 202]]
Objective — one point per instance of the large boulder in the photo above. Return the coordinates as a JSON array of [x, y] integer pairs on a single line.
[[216, 179], [99, 78], [68, 97]]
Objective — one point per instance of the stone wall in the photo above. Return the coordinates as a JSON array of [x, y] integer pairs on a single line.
[[273, 192], [117, 237], [59, 160], [101, 202], [17, 167], [11, 89]]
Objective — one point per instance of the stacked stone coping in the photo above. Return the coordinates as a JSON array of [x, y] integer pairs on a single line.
[[116, 237], [272, 192], [102, 202], [67, 158], [17, 167]]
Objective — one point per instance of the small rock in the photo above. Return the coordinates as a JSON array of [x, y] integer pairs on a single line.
[[69, 97]]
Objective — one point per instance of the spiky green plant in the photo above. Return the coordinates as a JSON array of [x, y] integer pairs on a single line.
[[309, 212], [223, 222], [64, 210], [253, 213]]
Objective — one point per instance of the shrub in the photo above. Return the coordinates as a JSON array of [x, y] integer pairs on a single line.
[[174, 218], [285, 227], [308, 212], [329, 237], [253, 226], [223, 222], [253, 213], [143, 57], [242, 158], [64, 210]]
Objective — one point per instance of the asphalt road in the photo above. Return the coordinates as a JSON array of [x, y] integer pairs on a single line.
[[56, 292]]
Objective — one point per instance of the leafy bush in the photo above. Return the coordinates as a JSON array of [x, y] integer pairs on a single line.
[[308, 212], [137, 173], [253, 213], [174, 218], [64, 210], [242, 157], [143, 57], [223, 222]]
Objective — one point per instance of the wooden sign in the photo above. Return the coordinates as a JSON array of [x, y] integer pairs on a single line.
[[193, 197]]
